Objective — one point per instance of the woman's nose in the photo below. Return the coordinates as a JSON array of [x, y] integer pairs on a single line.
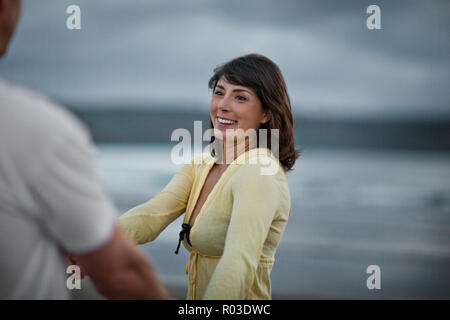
[[224, 104]]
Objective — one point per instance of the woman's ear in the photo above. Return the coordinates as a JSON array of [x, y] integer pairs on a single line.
[[267, 116]]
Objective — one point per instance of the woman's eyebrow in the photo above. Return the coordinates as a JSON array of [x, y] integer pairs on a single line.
[[235, 90]]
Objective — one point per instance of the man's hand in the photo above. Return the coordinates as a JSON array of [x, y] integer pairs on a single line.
[[120, 270], [71, 260]]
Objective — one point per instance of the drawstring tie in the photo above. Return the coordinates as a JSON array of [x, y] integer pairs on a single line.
[[185, 230], [192, 262]]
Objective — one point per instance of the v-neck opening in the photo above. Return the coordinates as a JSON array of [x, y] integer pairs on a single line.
[[203, 208], [200, 191]]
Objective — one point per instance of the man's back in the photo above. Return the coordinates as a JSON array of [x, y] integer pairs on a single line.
[[50, 195]]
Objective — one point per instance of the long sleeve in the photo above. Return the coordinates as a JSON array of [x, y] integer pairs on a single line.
[[256, 198], [145, 222]]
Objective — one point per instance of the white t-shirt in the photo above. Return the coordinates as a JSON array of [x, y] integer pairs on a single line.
[[51, 195]]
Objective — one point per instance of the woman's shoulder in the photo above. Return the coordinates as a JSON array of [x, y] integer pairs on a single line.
[[261, 172], [260, 161]]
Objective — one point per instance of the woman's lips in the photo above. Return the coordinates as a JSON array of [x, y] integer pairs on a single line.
[[224, 123]]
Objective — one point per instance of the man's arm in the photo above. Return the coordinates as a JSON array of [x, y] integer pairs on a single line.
[[120, 270]]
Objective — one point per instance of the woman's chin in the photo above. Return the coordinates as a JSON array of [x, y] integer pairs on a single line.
[[221, 133]]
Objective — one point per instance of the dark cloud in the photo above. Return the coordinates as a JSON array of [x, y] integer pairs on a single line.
[[165, 51]]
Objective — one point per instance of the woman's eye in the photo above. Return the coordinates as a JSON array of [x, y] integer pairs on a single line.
[[218, 93], [242, 98]]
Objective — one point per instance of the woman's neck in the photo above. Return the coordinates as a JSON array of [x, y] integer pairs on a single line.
[[228, 150]]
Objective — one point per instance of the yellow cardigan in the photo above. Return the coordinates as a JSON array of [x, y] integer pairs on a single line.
[[237, 231]]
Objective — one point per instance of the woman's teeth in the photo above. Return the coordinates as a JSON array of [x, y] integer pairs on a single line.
[[224, 121]]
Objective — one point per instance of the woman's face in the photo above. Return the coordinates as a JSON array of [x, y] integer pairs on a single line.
[[235, 107]]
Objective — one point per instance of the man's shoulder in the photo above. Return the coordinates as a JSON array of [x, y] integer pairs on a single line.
[[27, 113]]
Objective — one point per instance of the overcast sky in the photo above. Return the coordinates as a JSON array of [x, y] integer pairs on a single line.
[[159, 52]]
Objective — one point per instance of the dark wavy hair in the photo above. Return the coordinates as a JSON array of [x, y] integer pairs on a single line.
[[263, 76]]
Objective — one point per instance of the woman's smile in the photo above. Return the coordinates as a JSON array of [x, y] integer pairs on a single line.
[[225, 122]]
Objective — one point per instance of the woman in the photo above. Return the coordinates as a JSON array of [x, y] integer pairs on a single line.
[[235, 214]]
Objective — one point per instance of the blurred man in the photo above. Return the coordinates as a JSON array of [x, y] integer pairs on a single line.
[[52, 200]]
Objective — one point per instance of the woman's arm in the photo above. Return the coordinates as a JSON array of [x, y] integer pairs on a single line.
[[256, 198], [145, 222]]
